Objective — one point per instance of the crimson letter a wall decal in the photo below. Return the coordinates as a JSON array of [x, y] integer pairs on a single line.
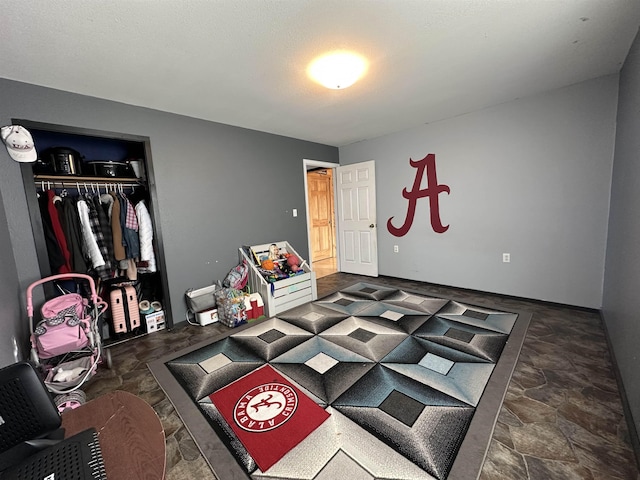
[[432, 191]]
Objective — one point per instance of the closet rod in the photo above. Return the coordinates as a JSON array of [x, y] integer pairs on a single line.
[[63, 184], [42, 181]]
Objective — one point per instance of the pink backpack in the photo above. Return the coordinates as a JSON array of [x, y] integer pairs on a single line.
[[237, 277]]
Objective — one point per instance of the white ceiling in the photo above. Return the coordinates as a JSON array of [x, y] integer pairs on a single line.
[[243, 62]]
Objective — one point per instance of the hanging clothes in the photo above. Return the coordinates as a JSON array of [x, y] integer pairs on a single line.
[[106, 200], [104, 271], [58, 205], [129, 225], [101, 234], [74, 237], [119, 252], [104, 227], [56, 258], [145, 232], [89, 243], [58, 231]]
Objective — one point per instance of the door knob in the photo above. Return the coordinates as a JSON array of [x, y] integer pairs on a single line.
[[371, 226]]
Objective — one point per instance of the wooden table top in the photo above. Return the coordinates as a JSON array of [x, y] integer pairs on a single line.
[[131, 435]]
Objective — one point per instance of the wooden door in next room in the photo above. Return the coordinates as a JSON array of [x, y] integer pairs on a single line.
[[321, 214]]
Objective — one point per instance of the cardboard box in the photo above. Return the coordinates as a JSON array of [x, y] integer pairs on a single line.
[[155, 321]]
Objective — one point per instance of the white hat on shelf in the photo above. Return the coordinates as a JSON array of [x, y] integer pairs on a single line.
[[19, 143]]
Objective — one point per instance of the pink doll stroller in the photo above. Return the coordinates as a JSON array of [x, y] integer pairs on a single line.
[[66, 343]]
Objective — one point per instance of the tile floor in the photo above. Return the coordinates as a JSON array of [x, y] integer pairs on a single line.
[[562, 417]]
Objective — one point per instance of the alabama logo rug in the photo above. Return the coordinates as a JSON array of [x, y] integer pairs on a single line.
[[268, 414]]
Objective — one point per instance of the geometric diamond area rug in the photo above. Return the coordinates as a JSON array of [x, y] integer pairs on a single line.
[[370, 382]]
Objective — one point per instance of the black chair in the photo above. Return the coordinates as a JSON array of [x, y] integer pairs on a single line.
[[29, 419]]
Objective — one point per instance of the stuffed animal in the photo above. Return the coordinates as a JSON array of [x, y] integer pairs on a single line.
[[293, 262], [267, 264], [68, 375]]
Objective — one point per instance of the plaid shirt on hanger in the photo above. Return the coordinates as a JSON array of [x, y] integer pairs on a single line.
[[131, 220], [104, 271]]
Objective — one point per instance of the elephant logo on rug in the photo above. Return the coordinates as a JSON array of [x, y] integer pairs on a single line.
[[265, 407]]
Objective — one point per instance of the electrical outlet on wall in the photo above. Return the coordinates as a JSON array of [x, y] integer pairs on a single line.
[[395, 249], [506, 257]]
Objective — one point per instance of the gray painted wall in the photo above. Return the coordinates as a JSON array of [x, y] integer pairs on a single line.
[[13, 330], [622, 268], [218, 186], [530, 177]]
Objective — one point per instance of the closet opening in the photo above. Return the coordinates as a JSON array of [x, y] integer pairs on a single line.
[[102, 169]]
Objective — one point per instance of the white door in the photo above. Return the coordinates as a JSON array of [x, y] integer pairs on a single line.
[[357, 229]]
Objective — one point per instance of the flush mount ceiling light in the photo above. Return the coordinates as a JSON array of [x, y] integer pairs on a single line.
[[337, 70]]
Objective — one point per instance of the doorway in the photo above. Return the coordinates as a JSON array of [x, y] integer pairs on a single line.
[[321, 223], [354, 225]]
